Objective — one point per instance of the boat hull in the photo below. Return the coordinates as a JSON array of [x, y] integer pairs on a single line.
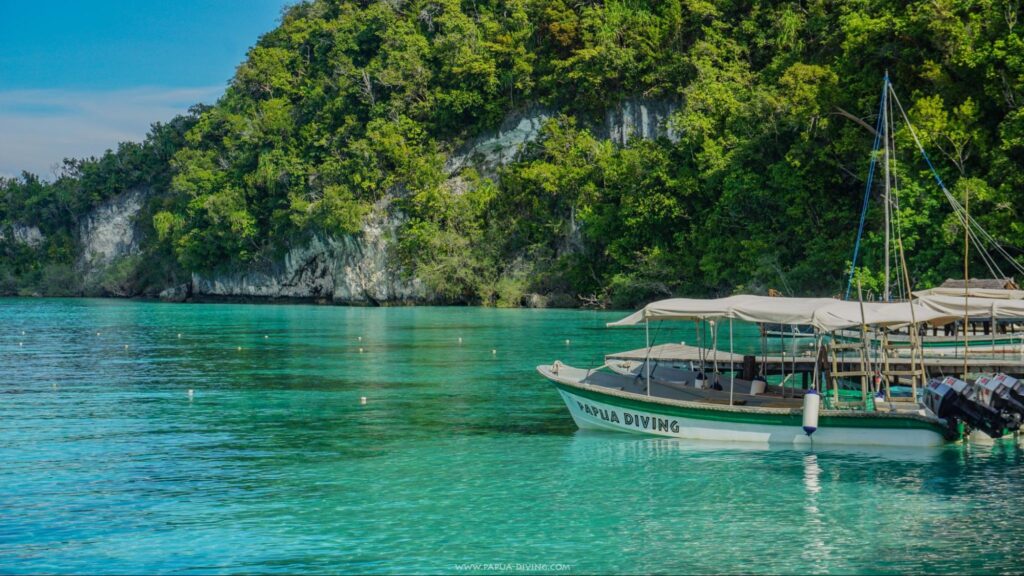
[[949, 345], [594, 409]]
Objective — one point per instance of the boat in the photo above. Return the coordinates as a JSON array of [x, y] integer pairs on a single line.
[[612, 402], [657, 394], [941, 344]]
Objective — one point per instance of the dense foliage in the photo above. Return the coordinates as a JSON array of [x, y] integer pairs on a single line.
[[350, 106], [56, 209]]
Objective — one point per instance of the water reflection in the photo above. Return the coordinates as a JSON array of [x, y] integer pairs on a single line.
[[812, 475], [818, 550]]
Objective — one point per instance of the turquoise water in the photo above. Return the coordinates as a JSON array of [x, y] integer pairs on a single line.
[[461, 456]]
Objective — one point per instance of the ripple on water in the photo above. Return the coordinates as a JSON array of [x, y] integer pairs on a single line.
[[459, 456]]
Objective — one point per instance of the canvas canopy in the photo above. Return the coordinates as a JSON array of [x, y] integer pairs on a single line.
[[826, 314], [973, 292], [952, 307]]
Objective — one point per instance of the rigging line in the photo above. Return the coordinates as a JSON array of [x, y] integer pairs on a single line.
[[867, 189], [958, 208], [966, 219], [956, 203], [961, 212], [949, 196], [987, 258]]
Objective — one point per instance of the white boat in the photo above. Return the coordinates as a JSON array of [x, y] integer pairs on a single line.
[[607, 402], [672, 403]]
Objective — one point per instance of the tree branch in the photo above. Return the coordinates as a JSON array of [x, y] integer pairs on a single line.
[[849, 116]]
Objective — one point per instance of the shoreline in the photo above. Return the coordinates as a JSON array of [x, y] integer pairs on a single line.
[[292, 300]]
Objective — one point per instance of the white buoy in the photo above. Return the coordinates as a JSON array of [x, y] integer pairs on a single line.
[[125, 346], [22, 332], [566, 341], [360, 338], [21, 343], [189, 393], [239, 348], [266, 336], [812, 401], [179, 335], [494, 352], [362, 399], [97, 333], [460, 339], [360, 350]]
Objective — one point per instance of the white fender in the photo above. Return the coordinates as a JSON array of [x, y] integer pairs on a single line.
[[812, 401]]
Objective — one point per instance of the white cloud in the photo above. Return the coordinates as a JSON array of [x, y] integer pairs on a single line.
[[38, 128]]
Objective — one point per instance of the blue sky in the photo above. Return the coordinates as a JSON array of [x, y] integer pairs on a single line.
[[78, 76]]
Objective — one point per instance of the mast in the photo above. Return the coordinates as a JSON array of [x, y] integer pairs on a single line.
[[967, 231], [886, 199]]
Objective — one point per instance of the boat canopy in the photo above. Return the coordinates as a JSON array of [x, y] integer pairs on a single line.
[[826, 314], [953, 307], [992, 293]]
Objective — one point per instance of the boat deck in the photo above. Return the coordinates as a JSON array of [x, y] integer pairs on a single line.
[[678, 391]]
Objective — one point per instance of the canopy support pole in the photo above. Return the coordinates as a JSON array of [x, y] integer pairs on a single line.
[[782, 364], [647, 361], [992, 328], [714, 350], [732, 368], [698, 325], [817, 360], [864, 364]]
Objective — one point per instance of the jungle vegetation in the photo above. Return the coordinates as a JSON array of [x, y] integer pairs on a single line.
[[346, 106]]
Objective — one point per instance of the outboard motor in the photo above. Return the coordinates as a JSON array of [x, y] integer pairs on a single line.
[[952, 399], [1013, 386], [995, 394]]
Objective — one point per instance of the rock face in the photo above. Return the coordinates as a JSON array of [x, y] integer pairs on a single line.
[[109, 232], [359, 269], [639, 118], [633, 118], [30, 235], [491, 150]]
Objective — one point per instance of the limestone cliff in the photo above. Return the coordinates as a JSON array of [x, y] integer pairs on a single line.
[[633, 118], [361, 268], [109, 232], [357, 269], [23, 234]]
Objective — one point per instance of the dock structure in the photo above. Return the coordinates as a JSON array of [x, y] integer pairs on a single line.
[[803, 362]]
